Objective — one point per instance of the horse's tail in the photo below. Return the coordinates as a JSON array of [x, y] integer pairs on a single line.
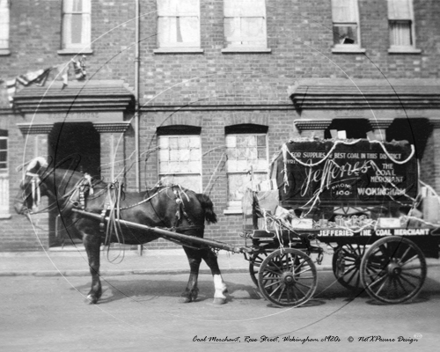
[[208, 207]]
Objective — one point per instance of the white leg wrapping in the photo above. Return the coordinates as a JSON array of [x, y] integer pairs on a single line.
[[220, 287]]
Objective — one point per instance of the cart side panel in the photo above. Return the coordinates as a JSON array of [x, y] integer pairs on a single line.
[[356, 173]]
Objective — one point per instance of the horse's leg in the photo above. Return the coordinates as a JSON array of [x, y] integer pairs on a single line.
[[191, 291], [92, 245], [219, 285]]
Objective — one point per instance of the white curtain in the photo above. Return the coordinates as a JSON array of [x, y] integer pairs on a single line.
[[77, 23], [4, 24], [178, 23], [400, 16], [400, 34], [244, 8], [245, 22]]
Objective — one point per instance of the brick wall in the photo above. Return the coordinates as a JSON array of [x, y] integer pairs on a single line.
[[300, 38]]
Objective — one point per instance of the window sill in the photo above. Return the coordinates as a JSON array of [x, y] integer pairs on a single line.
[[5, 216], [245, 50], [233, 211], [75, 52], [404, 50], [5, 52], [178, 51], [348, 50]]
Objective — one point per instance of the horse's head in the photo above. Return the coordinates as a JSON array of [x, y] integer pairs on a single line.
[[31, 186]]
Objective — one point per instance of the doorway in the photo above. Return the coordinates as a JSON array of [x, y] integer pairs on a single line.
[[73, 146]]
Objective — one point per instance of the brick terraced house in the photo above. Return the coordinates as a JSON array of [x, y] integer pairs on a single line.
[[201, 92]]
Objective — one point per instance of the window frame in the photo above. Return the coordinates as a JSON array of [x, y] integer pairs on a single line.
[[161, 175], [399, 49], [85, 47], [347, 48], [4, 180], [235, 206], [5, 11], [228, 48], [176, 47]]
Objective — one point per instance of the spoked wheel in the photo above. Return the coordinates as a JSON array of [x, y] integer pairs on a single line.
[[393, 270], [287, 277], [255, 264], [346, 263]]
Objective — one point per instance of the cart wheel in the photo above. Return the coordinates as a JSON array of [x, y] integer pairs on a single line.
[[255, 264], [287, 277], [346, 263], [393, 270]]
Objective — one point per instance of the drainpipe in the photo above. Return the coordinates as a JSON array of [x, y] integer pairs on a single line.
[[137, 108], [136, 92]]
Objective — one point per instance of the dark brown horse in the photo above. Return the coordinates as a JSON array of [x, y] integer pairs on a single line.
[[168, 207]]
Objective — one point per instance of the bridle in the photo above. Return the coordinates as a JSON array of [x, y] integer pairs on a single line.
[[35, 184]]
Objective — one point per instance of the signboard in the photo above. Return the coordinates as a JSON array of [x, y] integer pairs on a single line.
[[337, 232], [354, 173]]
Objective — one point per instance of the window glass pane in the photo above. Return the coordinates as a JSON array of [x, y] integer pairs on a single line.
[[76, 23], [400, 33], [178, 157], [345, 34], [4, 24], [3, 156], [77, 5], [3, 144], [245, 23], [245, 153], [76, 31], [344, 11], [178, 23], [238, 183], [399, 9]]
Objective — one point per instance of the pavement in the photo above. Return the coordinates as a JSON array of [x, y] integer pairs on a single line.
[[73, 262]]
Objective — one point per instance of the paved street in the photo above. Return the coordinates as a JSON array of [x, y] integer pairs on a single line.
[[142, 313]]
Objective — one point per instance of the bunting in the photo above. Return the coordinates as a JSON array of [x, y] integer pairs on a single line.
[[39, 77]]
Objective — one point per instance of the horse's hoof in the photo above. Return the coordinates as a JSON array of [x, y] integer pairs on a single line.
[[185, 299], [219, 301], [91, 299]]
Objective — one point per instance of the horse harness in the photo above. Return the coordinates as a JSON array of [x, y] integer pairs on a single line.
[[111, 207]]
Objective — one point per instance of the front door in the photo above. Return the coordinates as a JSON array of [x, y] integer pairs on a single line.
[[72, 146]]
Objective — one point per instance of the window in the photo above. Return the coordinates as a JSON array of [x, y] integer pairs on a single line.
[[247, 164], [401, 25], [245, 24], [4, 174], [178, 23], [346, 31], [4, 27], [76, 25], [180, 160]]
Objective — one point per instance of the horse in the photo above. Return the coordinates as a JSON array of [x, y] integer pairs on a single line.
[[170, 207]]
